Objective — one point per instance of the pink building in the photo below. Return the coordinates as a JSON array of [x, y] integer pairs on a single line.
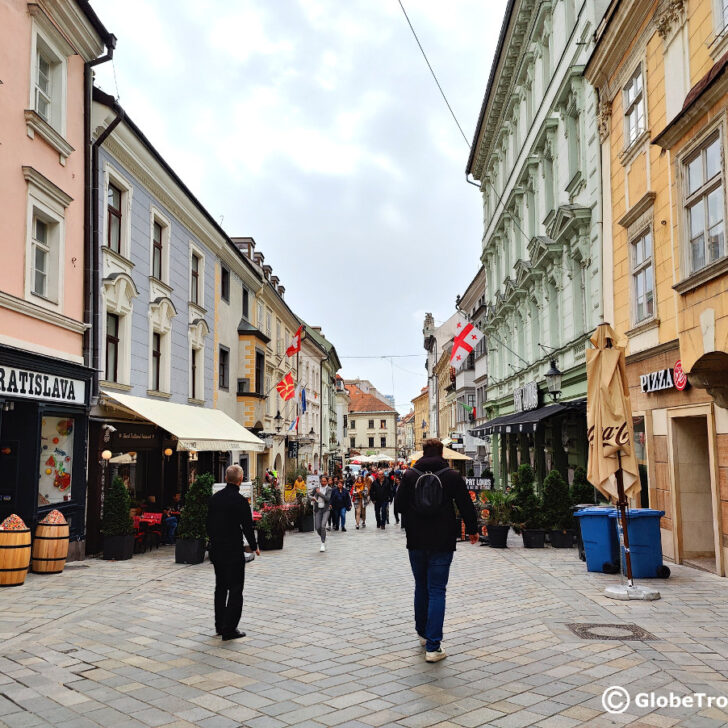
[[47, 50]]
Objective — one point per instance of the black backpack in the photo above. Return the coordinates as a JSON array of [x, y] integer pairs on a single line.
[[429, 493]]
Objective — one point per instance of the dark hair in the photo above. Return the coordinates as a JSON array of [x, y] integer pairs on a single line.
[[431, 447]]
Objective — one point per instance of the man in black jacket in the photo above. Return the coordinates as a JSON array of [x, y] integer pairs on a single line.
[[228, 519], [381, 494], [431, 542]]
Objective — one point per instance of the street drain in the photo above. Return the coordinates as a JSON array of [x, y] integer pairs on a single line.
[[610, 632]]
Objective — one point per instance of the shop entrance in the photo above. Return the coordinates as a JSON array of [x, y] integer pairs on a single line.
[[694, 492]]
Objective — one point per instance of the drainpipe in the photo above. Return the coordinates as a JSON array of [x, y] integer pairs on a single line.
[[90, 277]]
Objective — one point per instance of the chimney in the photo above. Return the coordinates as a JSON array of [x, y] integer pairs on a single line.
[[275, 280], [317, 329], [267, 270], [245, 245], [258, 258], [281, 291]]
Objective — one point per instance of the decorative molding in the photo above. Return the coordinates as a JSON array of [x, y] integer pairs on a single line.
[[604, 116], [703, 276], [673, 14], [36, 124], [673, 345], [640, 328], [643, 205], [160, 395], [70, 24], [33, 176], [639, 145], [115, 385], [20, 305]]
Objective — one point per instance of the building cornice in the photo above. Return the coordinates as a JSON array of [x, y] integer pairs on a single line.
[[20, 305]]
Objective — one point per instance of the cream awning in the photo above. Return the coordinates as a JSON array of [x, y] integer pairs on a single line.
[[447, 454], [196, 428]]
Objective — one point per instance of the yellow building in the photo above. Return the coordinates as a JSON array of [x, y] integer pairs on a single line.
[[422, 410], [445, 396], [661, 74]]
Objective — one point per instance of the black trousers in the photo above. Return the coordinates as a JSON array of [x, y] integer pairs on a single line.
[[229, 581]]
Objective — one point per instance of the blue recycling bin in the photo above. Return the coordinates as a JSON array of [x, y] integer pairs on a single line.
[[645, 544], [599, 535]]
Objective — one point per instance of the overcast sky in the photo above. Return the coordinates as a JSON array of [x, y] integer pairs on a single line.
[[315, 127]]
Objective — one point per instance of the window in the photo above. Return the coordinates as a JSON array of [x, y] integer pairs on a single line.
[[112, 347], [41, 255], [705, 204], [259, 317], [382, 424], [243, 386], [195, 279], [352, 424], [383, 442], [48, 82], [279, 339], [371, 442], [643, 285], [352, 444], [43, 85], [225, 284], [157, 250], [224, 368], [259, 370], [634, 107], [268, 324], [156, 361], [246, 304], [371, 424], [193, 373], [113, 222]]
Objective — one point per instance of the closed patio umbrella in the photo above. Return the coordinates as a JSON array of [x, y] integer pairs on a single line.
[[612, 466]]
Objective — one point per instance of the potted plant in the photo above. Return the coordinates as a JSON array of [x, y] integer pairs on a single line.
[[192, 530], [582, 491], [274, 519], [305, 511], [527, 509], [499, 518], [557, 510], [117, 525]]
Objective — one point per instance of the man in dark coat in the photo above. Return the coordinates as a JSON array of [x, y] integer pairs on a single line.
[[381, 494], [431, 542], [229, 518]]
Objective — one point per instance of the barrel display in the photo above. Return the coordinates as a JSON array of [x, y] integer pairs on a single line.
[[14, 551], [50, 545]]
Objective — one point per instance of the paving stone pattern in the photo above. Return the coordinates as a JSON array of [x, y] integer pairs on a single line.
[[331, 643]]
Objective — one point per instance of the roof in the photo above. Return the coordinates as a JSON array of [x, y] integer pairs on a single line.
[[408, 417], [324, 344], [108, 38], [362, 402], [246, 328]]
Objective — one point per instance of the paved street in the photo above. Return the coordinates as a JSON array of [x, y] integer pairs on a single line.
[[331, 643]]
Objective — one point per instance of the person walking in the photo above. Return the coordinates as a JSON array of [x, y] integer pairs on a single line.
[[381, 495], [425, 497], [340, 504], [360, 495], [229, 518], [396, 481], [321, 498]]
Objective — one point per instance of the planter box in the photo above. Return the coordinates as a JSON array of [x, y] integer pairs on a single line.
[[498, 536], [189, 551], [305, 523], [274, 543], [118, 548], [534, 538], [562, 539]]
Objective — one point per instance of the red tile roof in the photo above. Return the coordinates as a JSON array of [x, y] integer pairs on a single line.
[[362, 402]]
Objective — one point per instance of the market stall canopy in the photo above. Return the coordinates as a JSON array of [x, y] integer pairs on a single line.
[[447, 454], [196, 428]]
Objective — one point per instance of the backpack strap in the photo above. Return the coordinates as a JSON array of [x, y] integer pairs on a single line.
[[440, 472]]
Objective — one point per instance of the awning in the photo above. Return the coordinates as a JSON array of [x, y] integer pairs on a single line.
[[447, 454], [526, 421], [196, 428]]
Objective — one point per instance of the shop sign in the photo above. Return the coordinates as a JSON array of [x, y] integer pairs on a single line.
[[526, 398], [37, 385], [292, 448], [664, 379], [131, 437], [478, 483]]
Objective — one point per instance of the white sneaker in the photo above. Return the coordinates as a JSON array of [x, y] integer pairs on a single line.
[[423, 640], [436, 656], [323, 547]]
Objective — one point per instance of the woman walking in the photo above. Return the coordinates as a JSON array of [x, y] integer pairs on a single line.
[[340, 504], [360, 495], [321, 497]]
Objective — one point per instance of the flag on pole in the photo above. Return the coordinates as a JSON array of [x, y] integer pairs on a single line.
[[295, 345], [303, 400], [294, 425], [469, 409], [286, 387], [466, 339]]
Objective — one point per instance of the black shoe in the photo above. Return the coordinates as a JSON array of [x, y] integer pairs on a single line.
[[236, 635], [343, 529], [363, 525]]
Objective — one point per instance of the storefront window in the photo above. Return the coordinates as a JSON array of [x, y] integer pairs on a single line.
[[640, 447], [56, 460]]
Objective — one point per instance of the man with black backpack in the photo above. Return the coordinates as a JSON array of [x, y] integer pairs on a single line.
[[426, 497]]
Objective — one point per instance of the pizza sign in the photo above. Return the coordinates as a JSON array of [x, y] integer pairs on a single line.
[[664, 379]]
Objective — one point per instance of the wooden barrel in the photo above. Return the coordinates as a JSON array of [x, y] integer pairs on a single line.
[[50, 548], [14, 556]]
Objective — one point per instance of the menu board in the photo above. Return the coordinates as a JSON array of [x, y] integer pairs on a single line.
[[56, 460]]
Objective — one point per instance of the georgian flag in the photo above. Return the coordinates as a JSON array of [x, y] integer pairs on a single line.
[[466, 339], [295, 345]]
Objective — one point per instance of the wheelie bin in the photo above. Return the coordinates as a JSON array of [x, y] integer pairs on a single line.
[[599, 535], [645, 544]]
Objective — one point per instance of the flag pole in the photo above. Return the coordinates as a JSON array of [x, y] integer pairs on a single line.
[[298, 445]]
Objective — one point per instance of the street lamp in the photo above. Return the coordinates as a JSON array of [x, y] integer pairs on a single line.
[[553, 381], [278, 420]]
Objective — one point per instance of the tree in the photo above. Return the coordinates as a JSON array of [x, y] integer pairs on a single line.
[[582, 491], [117, 521], [527, 506], [556, 502], [193, 519]]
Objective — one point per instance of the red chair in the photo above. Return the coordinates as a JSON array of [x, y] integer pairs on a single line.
[[153, 524]]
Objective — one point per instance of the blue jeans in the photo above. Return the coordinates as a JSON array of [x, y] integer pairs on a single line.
[[381, 511], [339, 517], [431, 570], [170, 529]]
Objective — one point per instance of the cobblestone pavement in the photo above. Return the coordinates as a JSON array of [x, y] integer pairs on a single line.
[[331, 643]]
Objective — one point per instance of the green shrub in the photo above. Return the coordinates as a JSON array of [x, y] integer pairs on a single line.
[[556, 502], [193, 518], [117, 503], [527, 506], [500, 506], [582, 491]]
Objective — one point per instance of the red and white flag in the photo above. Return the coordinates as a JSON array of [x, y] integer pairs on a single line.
[[295, 346], [466, 339], [287, 387]]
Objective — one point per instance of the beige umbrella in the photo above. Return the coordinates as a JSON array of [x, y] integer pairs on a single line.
[[612, 464], [447, 454]]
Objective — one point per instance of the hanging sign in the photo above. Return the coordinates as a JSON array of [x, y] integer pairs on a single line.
[[664, 379], [37, 385], [526, 398]]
